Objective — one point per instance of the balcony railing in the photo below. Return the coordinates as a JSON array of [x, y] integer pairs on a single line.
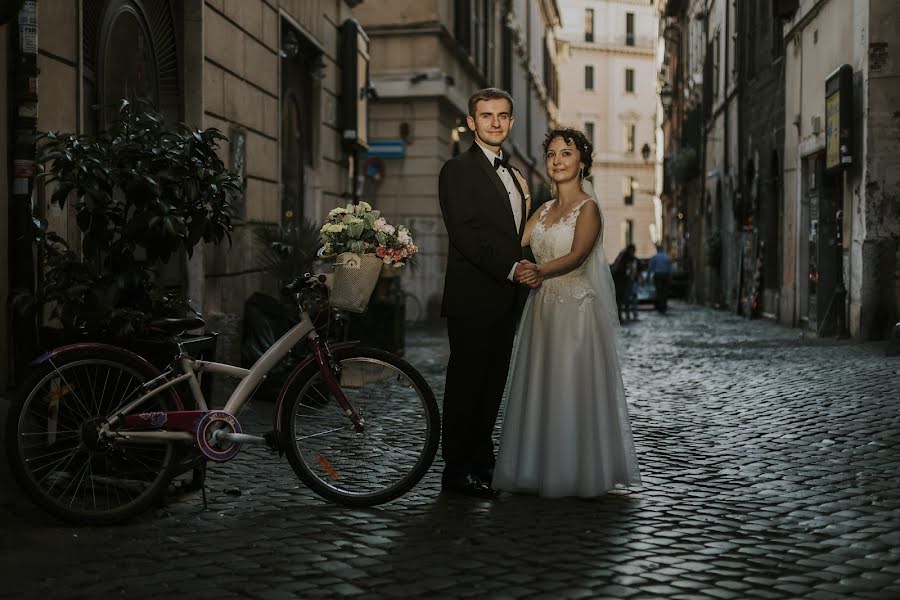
[[622, 40]]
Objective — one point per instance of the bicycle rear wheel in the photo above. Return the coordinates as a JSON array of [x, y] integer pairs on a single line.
[[53, 445], [391, 454]]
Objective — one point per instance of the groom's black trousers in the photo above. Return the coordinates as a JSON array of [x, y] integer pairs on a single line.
[[480, 349]]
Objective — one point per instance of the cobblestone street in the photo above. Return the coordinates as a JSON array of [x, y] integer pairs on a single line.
[[770, 461]]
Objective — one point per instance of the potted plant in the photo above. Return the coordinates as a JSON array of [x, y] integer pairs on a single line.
[[287, 251], [141, 195]]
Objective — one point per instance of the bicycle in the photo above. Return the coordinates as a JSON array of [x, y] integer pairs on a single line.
[[98, 431]]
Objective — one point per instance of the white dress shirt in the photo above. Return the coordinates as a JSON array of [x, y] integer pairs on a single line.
[[515, 199]]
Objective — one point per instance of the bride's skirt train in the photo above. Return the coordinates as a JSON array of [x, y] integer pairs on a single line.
[[566, 430]]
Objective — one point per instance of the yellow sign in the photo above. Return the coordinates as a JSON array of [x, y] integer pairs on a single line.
[[833, 130]]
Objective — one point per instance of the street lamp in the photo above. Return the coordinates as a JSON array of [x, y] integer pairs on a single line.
[[290, 45], [645, 152], [666, 95]]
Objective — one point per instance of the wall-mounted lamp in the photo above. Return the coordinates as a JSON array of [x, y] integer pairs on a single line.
[[666, 95], [290, 45]]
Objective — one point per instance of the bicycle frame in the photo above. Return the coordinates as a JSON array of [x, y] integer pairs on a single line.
[[183, 421]]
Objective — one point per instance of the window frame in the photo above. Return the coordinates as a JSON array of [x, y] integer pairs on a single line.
[[628, 190], [629, 29], [629, 135], [589, 24]]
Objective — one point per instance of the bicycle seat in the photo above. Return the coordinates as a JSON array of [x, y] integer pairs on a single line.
[[176, 325]]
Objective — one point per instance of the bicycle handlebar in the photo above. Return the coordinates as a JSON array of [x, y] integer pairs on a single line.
[[306, 282]]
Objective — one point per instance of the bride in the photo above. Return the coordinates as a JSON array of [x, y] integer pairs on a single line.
[[566, 430]]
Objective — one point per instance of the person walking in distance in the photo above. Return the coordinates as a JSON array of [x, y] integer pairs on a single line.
[[661, 269], [485, 205], [622, 268]]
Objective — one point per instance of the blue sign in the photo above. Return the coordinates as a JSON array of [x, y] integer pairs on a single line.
[[386, 149]]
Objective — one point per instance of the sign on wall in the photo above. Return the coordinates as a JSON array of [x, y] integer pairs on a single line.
[[838, 116]]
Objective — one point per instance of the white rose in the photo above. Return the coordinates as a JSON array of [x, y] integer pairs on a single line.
[[403, 237], [389, 229], [379, 224]]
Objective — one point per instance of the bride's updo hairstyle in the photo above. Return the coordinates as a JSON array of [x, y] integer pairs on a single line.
[[577, 139]]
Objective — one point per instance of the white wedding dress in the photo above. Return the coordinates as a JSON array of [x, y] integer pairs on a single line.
[[566, 430]]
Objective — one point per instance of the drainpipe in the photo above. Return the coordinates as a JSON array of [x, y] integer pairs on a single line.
[[528, 91], [703, 133], [23, 101], [726, 155]]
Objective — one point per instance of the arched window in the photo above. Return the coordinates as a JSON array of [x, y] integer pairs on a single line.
[[131, 51], [128, 68]]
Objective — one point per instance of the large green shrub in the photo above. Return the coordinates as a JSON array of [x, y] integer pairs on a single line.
[[141, 193]]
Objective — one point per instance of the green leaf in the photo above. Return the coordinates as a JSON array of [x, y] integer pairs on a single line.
[[354, 230], [60, 195]]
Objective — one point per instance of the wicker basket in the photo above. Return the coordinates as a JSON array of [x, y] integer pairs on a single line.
[[354, 281]]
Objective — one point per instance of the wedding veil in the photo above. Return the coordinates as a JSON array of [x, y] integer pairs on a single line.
[[597, 268]]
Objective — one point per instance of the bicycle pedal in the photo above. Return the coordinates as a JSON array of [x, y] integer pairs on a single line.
[[272, 444]]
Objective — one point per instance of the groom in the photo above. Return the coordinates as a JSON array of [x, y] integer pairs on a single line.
[[485, 204]]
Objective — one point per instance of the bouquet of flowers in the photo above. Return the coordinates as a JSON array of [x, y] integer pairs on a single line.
[[361, 230]]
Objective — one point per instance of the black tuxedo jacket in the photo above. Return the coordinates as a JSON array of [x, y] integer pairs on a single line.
[[484, 241]]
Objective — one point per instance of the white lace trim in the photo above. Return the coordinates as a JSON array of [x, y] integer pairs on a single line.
[[554, 241], [566, 289]]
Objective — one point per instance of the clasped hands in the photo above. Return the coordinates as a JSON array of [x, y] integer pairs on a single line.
[[529, 274]]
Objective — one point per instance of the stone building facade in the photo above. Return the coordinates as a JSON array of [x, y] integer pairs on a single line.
[[687, 209], [792, 211], [761, 148], [428, 57], [267, 73], [841, 258], [608, 90]]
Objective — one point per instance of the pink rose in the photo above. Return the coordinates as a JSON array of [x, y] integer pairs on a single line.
[[380, 252]]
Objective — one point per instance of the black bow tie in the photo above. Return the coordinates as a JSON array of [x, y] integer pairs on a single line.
[[498, 162]]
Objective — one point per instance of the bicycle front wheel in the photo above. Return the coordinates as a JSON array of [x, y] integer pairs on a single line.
[[55, 450], [392, 452]]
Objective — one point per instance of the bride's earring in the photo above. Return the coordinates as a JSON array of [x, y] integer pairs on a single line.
[[581, 173]]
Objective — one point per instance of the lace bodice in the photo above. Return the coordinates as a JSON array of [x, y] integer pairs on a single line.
[[553, 241]]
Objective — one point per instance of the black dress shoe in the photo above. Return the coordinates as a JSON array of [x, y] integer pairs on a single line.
[[468, 485]]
